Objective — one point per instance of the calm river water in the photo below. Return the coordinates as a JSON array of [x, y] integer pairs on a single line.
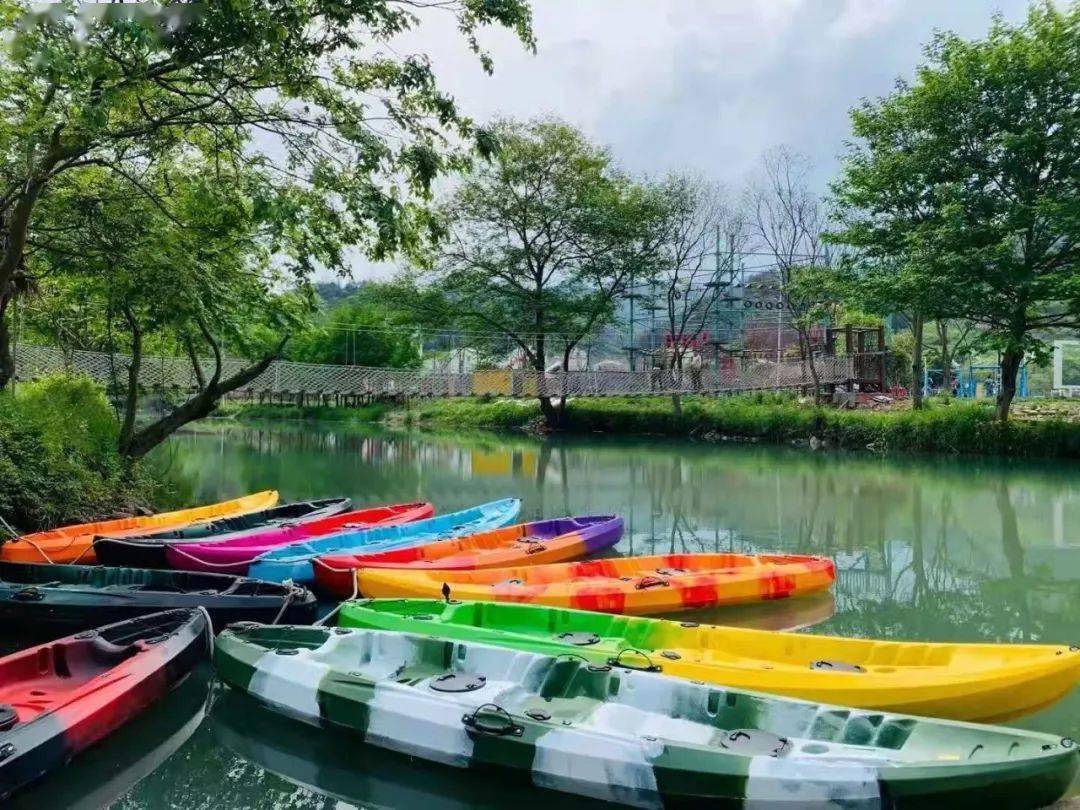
[[931, 549]]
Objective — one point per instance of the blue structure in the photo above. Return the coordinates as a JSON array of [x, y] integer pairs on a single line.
[[968, 381]]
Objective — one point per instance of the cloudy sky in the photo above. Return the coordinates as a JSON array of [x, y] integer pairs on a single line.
[[704, 85]]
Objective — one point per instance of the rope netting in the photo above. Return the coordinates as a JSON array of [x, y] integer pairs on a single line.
[[288, 378]]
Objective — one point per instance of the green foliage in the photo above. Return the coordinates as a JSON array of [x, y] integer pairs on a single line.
[[374, 412], [945, 426], [961, 194], [172, 184], [542, 241], [366, 329], [58, 459]]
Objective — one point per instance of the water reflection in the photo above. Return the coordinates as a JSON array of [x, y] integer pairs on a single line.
[[945, 550], [334, 765]]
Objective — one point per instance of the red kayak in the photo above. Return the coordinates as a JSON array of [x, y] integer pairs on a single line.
[[60, 698], [232, 555]]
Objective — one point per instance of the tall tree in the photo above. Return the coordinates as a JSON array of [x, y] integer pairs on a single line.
[[347, 127], [542, 241], [787, 220], [985, 140]]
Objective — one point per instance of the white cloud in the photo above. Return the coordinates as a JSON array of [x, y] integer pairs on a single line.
[[705, 85], [861, 17]]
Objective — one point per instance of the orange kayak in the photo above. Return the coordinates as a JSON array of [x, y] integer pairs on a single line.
[[69, 544], [633, 585]]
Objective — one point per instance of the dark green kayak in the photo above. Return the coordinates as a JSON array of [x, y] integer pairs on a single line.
[[49, 601], [632, 737]]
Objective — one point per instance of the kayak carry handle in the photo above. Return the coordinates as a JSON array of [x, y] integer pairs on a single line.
[[650, 582], [617, 661], [503, 727]]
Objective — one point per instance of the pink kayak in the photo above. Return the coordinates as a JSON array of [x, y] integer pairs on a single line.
[[231, 555]]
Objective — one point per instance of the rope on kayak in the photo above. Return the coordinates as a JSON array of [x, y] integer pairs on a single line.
[[319, 561], [201, 561], [293, 591], [82, 554], [355, 593], [7, 527], [209, 630], [40, 550]]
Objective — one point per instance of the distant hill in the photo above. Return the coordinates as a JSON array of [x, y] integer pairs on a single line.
[[331, 293]]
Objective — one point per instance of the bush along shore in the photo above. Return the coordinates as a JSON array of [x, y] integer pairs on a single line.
[[58, 458], [943, 426], [366, 414]]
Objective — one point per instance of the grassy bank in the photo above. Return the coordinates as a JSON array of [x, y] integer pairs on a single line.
[[944, 427], [374, 412], [58, 459]]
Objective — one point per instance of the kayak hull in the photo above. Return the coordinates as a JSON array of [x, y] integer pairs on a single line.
[[637, 738], [71, 544], [294, 561], [69, 694], [633, 585], [536, 543], [148, 550], [234, 555], [974, 682], [49, 601]]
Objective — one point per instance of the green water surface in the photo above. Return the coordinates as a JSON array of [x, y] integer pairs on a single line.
[[926, 549]]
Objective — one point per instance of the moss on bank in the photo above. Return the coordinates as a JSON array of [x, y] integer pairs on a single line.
[[58, 459], [943, 427]]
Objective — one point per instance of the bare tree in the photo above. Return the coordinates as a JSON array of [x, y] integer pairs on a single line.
[[698, 216], [787, 220]]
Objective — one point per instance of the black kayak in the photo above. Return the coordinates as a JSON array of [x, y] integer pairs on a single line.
[[48, 601], [148, 550]]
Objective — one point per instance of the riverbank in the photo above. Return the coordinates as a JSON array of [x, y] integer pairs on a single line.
[[366, 414], [58, 458], [945, 426]]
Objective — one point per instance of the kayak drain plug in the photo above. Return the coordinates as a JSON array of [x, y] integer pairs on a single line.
[[8, 716]]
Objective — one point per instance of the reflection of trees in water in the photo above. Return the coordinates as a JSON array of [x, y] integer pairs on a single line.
[[904, 536], [948, 600]]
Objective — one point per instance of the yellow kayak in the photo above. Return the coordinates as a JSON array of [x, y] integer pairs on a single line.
[[642, 585], [974, 682], [69, 544]]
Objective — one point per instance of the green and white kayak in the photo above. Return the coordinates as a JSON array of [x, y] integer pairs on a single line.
[[636, 738]]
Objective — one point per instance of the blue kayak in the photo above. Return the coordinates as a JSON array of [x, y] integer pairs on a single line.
[[294, 560]]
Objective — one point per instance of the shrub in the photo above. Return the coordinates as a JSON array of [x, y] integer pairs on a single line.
[[58, 459]]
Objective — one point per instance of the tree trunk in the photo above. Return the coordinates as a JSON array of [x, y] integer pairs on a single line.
[[547, 407], [676, 375], [946, 357], [1010, 366], [7, 359], [198, 407], [131, 399], [917, 326], [806, 349]]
